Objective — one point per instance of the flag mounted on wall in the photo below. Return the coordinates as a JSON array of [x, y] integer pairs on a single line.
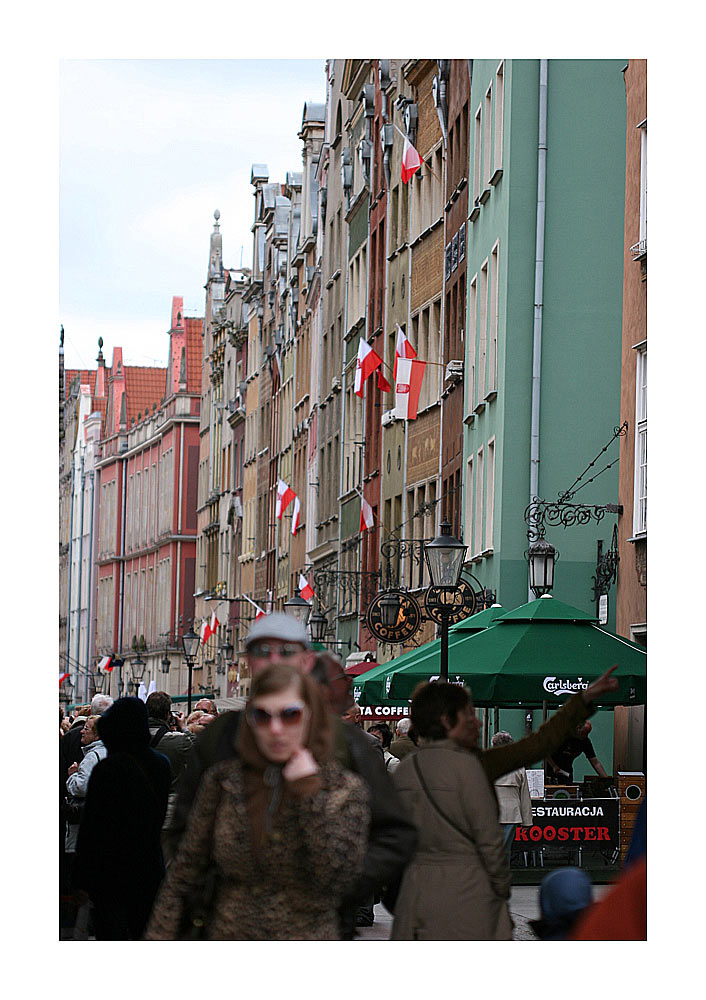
[[366, 515], [411, 161], [306, 591], [285, 495], [295, 514], [365, 365], [410, 374], [403, 349]]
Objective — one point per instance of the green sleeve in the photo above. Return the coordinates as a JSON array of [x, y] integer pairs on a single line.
[[501, 760]]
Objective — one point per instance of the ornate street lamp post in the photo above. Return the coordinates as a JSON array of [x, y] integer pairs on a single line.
[[541, 557], [318, 626], [298, 608], [444, 556], [190, 641]]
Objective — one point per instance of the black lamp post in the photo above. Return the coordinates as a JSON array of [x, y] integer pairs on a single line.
[[541, 557], [298, 608], [190, 641], [389, 609], [444, 556], [138, 669]]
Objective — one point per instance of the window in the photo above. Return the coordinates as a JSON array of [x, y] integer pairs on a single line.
[[643, 184], [640, 499], [472, 307], [478, 537], [498, 144], [477, 136], [468, 528], [487, 138], [490, 496], [493, 333], [482, 332]]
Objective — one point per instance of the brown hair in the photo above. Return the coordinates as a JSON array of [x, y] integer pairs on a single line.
[[276, 678], [431, 701]]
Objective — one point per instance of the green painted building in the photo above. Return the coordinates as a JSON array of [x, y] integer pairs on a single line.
[[547, 154]]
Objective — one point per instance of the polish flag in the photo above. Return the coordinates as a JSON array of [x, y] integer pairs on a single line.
[[411, 161], [214, 623], [403, 349], [407, 388], [383, 384], [260, 612], [295, 514], [205, 630], [365, 365], [285, 495], [306, 591], [366, 515], [62, 678], [106, 663]]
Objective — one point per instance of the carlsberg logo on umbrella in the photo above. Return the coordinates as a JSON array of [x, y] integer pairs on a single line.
[[553, 686], [388, 681]]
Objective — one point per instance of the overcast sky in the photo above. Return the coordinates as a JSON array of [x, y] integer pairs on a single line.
[[148, 150]]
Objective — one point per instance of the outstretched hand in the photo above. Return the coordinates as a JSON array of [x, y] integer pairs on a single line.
[[602, 686]]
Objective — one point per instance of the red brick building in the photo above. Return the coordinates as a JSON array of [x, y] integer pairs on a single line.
[[148, 473]]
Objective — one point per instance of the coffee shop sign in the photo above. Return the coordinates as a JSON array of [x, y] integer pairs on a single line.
[[553, 685]]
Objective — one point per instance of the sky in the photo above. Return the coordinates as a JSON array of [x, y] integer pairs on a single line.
[[149, 148]]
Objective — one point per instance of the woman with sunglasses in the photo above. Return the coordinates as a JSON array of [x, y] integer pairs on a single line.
[[279, 831]]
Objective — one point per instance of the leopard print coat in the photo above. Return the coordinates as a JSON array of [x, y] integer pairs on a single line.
[[290, 888]]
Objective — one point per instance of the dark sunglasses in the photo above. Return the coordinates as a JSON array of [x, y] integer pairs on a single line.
[[264, 649], [289, 716]]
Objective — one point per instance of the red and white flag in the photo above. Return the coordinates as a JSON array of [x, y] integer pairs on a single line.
[[106, 663], [260, 612], [295, 514], [62, 677], [411, 161], [366, 515], [408, 387], [383, 384], [306, 591], [365, 365], [285, 495], [205, 632], [403, 349], [214, 623]]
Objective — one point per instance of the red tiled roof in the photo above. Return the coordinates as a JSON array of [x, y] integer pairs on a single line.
[[87, 378], [143, 388]]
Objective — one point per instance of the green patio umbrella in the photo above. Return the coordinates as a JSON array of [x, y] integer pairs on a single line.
[[542, 651], [371, 687]]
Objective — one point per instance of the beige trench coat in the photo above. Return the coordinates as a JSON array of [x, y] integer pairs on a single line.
[[455, 889]]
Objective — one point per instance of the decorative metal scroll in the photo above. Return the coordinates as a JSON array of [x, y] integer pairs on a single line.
[[349, 591], [606, 567], [542, 513], [393, 551]]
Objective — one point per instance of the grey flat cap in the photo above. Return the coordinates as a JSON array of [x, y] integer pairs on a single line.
[[277, 626]]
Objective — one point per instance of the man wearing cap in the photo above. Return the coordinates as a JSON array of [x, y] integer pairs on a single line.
[[392, 837]]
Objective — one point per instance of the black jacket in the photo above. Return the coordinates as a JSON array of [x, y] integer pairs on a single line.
[[119, 855], [392, 838]]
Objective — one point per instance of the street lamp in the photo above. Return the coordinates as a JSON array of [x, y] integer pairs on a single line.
[[190, 641], [298, 608], [444, 556], [541, 557], [389, 609], [138, 669], [318, 626]]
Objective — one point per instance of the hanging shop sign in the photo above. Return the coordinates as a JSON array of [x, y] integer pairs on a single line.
[[409, 618], [457, 603]]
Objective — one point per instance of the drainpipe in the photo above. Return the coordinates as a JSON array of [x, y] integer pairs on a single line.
[[89, 629], [538, 285], [80, 567], [71, 545], [122, 573]]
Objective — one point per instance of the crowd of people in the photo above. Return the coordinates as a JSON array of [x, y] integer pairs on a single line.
[[288, 820]]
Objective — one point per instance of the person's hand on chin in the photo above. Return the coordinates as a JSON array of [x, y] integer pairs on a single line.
[[300, 765]]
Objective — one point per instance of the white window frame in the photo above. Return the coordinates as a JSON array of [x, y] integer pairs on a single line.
[[470, 493], [472, 326], [487, 136], [493, 332], [478, 512], [643, 182], [477, 149]]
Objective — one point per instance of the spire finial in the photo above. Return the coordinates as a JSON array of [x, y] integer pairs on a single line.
[[216, 216], [100, 349], [61, 336]]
